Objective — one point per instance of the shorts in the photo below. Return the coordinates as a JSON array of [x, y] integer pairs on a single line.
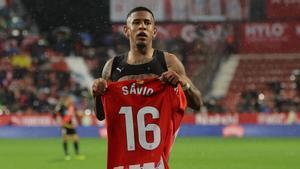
[[68, 131]]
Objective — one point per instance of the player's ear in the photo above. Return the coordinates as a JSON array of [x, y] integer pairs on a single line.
[[125, 31], [154, 32]]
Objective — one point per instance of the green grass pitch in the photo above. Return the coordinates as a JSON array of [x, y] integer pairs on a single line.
[[187, 153]]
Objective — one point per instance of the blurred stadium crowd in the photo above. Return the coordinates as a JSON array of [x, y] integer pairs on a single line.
[[34, 73]]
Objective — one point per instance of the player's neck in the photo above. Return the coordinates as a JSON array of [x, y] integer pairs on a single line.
[[137, 57]]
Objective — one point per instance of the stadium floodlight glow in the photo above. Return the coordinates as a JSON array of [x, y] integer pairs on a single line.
[[15, 32], [25, 33], [15, 19], [42, 42], [292, 77], [261, 96], [88, 112]]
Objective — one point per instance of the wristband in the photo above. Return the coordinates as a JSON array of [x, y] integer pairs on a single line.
[[186, 86]]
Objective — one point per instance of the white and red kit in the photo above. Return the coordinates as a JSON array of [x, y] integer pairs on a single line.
[[142, 118]]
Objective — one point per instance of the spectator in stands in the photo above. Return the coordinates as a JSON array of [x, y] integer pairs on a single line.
[[213, 106], [4, 110], [296, 74], [249, 102], [62, 40]]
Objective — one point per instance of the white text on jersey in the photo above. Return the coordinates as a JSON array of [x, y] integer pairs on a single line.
[[137, 90]]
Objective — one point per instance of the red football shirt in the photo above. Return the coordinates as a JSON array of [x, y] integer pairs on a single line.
[[142, 119], [69, 115]]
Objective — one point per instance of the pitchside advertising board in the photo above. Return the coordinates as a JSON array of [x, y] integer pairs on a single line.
[[184, 10], [270, 37], [208, 32], [227, 125], [262, 37], [44, 120], [283, 8], [191, 119]]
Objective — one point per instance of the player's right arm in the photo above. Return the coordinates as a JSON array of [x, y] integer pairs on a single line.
[[99, 87]]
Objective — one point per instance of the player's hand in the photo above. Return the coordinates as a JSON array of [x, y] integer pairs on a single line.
[[99, 87], [172, 78]]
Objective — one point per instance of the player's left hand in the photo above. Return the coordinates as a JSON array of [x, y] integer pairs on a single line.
[[172, 78]]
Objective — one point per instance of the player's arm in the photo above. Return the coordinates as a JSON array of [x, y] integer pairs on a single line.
[[55, 114], [176, 74], [99, 88]]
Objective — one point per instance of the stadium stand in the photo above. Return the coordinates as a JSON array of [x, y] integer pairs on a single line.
[[268, 81], [34, 71], [245, 94], [33, 75]]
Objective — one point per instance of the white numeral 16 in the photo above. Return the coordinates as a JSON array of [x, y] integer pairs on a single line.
[[142, 128]]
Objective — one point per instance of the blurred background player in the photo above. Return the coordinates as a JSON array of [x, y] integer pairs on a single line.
[[65, 114]]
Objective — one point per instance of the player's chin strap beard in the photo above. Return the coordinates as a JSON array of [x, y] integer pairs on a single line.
[[141, 47]]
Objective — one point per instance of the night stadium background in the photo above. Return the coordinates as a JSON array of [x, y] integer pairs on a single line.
[[244, 55]]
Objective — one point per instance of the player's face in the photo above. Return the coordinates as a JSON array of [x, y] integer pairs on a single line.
[[140, 28]]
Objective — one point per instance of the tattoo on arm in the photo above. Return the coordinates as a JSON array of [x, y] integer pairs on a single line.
[[106, 74]]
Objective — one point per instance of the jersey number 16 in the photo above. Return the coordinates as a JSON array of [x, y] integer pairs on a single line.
[[141, 127]]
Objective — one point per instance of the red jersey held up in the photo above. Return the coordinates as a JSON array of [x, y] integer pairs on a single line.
[[142, 119]]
